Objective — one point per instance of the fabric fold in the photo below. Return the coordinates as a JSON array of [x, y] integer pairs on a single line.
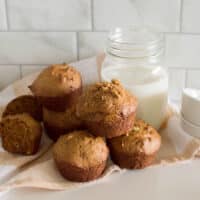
[[39, 171]]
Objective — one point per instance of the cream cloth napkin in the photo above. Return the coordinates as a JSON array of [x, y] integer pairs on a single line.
[[11, 164], [39, 171]]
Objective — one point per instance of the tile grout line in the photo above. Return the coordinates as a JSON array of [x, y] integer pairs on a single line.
[[7, 16], [183, 68], [77, 45], [182, 33], [181, 15], [34, 64], [89, 31], [92, 15], [43, 31], [44, 64]]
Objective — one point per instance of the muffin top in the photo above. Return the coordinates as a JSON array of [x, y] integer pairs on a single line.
[[142, 139], [105, 100], [14, 123], [24, 104], [20, 133], [81, 149], [56, 80]]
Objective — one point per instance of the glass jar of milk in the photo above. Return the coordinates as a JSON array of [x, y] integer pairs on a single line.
[[134, 56]]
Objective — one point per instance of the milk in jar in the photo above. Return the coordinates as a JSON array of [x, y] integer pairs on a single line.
[[134, 56]]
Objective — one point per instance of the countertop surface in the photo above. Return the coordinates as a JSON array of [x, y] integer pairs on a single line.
[[180, 181]]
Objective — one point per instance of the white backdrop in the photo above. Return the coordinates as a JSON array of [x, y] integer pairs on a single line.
[[35, 33]]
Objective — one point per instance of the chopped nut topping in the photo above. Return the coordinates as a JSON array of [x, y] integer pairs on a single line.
[[63, 72], [110, 99], [136, 128]]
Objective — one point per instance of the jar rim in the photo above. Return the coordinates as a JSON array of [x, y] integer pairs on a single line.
[[138, 31], [135, 41]]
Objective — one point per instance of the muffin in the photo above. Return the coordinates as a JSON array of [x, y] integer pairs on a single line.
[[21, 134], [107, 109], [79, 156], [57, 87], [24, 104], [137, 149], [59, 123]]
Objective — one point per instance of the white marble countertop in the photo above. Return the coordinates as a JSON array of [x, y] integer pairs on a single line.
[[180, 181]]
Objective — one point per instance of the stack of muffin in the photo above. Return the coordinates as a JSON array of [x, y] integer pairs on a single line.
[[88, 125], [58, 88], [20, 127]]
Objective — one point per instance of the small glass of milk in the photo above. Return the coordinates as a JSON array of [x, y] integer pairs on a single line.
[[134, 56]]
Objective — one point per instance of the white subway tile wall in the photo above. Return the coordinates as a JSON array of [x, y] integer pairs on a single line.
[[183, 50], [8, 73], [161, 14], [112, 13], [3, 20], [29, 69], [176, 83], [49, 15], [36, 33], [91, 43], [37, 47], [191, 15], [193, 79]]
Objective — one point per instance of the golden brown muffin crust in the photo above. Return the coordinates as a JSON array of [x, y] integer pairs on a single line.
[[20, 134], [105, 100], [24, 104], [81, 149], [64, 120], [142, 139], [56, 80], [78, 174]]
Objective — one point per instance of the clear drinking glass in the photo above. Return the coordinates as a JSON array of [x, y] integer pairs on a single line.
[[135, 57]]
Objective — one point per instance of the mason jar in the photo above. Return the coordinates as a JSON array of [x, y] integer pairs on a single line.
[[135, 57]]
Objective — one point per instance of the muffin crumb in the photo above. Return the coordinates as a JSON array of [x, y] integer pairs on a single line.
[[138, 148], [21, 134], [80, 156], [107, 109], [57, 87]]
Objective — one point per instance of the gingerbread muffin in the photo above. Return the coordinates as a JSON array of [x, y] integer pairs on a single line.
[[107, 109], [24, 104], [57, 87], [21, 134], [79, 156], [59, 123], [137, 149]]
